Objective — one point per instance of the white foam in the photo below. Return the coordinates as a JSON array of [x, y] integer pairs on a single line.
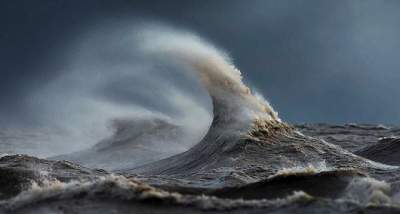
[[368, 191], [129, 189]]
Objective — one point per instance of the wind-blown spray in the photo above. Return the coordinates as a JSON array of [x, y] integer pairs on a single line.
[[233, 101]]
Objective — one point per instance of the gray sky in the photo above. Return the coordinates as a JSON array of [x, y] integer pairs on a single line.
[[315, 61]]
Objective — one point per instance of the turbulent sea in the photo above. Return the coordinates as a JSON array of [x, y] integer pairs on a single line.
[[248, 161]]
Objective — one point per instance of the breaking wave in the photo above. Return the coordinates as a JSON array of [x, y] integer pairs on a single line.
[[169, 113], [233, 103], [120, 188], [232, 100]]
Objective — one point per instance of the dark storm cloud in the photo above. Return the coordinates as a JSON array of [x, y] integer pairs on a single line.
[[332, 61]]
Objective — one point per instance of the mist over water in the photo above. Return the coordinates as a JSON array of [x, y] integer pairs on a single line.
[[126, 80], [170, 114], [109, 76]]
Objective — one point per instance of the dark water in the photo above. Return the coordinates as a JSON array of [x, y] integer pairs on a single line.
[[249, 161], [288, 172]]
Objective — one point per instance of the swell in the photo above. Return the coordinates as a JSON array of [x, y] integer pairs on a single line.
[[247, 142], [116, 192], [235, 108], [324, 184], [56, 185], [385, 151]]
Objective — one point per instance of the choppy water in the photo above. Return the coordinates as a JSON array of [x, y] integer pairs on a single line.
[[248, 161], [247, 178]]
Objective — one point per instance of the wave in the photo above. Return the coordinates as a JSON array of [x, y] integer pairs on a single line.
[[234, 105], [107, 189], [247, 142], [385, 151], [133, 143], [232, 100], [248, 157]]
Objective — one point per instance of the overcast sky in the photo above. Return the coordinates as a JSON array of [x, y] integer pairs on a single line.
[[315, 61]]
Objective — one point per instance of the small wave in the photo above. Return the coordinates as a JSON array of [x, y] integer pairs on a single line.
[[118, 187], [368, 191], [135, 142], [386, 151]]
